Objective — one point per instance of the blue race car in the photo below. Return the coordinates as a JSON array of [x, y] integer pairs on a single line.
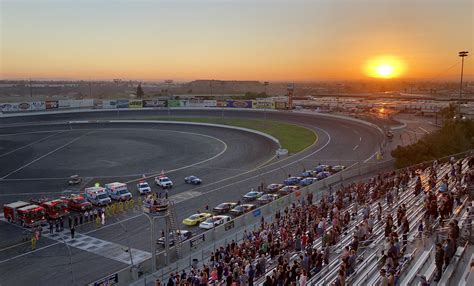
[[323, 175], [307, 173], [321, 168], [292, 181], [307, 181]]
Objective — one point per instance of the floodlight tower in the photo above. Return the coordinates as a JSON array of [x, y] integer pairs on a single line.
[[462, 54]]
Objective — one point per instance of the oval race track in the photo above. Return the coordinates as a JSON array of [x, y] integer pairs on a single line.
[[226, 178]]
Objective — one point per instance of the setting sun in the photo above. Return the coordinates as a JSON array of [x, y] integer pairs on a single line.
[[384, 67]]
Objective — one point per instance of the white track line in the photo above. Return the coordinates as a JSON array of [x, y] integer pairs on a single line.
[[34, 132], [355, 147], [45, 155], [32, 143], [426, 131]]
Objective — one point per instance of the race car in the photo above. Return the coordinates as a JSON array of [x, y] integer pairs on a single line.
[[267, 198], [195, 219], [323, 175], [251, 196], [143, 188], [181, 234], [163, 182], [274, 187], [241, 209], [307, 181], [320, 168], [337, 168], [307, 173], [224, 207], [214, 221], [287, 190], [192, 180], [292, 181]]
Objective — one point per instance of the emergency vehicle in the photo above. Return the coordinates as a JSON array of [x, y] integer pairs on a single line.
[[118, 191], [54, 208], [143, 187], [24, 214], [77, 203], [97, 196], [163, 182]]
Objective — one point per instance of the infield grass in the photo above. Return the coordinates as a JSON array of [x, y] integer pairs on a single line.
[[293, 137]]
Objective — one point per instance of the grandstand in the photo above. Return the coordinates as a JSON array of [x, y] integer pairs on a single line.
[[406, 227]]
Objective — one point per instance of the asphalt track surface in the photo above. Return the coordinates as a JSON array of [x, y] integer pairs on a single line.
[[226, 177]]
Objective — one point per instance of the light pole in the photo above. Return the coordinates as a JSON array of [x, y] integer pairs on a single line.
[[169, 82], [462, 54], [265, 84]]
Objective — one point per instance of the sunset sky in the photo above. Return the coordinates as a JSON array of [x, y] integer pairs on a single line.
[[226, 39]]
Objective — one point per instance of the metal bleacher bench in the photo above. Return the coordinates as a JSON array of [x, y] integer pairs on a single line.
[[420, 262], [448, 273]]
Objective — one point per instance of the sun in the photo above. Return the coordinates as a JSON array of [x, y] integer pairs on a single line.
[[384, 67]]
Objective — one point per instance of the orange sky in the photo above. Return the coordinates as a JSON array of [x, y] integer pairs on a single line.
[[255, 40]]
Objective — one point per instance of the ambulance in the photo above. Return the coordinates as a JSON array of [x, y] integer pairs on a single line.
[[118, 191], [97, 196]]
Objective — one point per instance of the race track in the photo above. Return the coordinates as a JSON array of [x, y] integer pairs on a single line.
[[226, 177]]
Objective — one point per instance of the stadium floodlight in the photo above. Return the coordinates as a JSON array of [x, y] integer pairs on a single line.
[[462, 54]]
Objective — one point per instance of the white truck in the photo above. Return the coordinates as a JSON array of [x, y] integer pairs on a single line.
[[118, 191], [97, 196], [143, 188], [163, 182]]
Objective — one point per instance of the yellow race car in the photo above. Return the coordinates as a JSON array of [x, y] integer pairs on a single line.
[[196, 219]]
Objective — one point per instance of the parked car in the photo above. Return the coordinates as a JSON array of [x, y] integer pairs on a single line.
[[74, 180], [307, 181], [214, 221], [224, 207], [337, 168], [267, 198], [320, 168], [272, 188], [251, 196], [241, 209], [292, 181], [192, 180], [196, 219], [287, 190], [181, 234]]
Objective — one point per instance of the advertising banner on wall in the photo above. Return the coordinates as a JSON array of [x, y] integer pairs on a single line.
[[135, 103], [154, 103], [109, 104], [24, 106], [262, 104], [98, 104], [122, 103], [52, 104], [174, 103], [9, 107], [210, 103], [239, 103], [37, 105], [280, 105], [221, 103], [64, 103]]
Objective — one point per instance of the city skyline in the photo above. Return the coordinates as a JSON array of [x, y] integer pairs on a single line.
[[233, 40]]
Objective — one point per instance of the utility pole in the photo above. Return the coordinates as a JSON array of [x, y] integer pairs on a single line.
[[31, 89], [90, 88], [462, 54]]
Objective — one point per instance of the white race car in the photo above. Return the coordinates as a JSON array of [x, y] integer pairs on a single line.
[[214, 221], [143, 188]]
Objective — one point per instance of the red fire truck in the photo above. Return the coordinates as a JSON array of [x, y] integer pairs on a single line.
[[25, 214], [77, 203], [54, 208]]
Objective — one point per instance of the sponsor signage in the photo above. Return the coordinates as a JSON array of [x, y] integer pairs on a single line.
[[239, 103], [64, 104], [135, 103], [221, 103], [122, 103], [98, 103], [229, 225], [9, 107], [154, 103], [210, 103], [257, 213], [111, 279], [37, 105], [263, 104], [280, 105], [174, 103], [109, 104], [52, 104], [24, 106], [197, 240]]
